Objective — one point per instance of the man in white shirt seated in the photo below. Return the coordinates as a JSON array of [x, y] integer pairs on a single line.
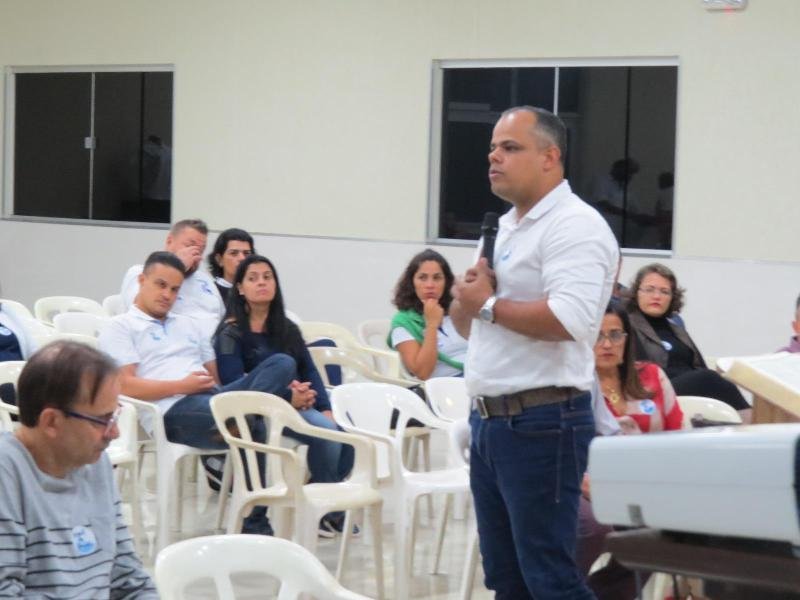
[[61, 529], [198, 297], [165, 358]]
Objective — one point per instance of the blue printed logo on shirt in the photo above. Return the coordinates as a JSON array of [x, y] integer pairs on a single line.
[[83, 540]]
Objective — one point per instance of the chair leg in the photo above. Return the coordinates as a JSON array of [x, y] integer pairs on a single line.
[[375, 519], [440, 527], [347, 534], [136, 506], [425, 440], [414, 522], [178, 504], [401, 545], [224, 491], [165, 496], [468, 577]]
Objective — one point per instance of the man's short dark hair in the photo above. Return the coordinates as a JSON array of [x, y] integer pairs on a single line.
[[229, 235], [59, 375], [196, 224], [548, 127], [162, 257]]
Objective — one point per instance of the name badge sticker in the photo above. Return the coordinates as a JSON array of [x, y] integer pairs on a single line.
[[83, 540], [667, 345], [648, 407], [4, 330]]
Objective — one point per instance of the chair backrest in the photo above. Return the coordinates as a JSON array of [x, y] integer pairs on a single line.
[[353, 365], [366, 408], [373, 333], [709, 408], [9, 373], [42, 340], [128, 430], [113, 305], [448, 397], [18, 309], [80, 322], [316, 330], [219, 557], [285, 473], [45, 308]]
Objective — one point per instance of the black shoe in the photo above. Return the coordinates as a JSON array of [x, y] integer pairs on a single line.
[[258, 525], [333, 523]]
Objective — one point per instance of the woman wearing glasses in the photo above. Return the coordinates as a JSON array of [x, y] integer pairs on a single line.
[[655, 300], [639, 390]]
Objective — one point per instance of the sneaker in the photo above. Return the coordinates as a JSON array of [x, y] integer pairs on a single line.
[[213, 464], [334, 524], [326, 529]]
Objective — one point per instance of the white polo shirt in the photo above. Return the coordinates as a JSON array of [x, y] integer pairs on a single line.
[[198, 298], [562, 250], [163, 350]]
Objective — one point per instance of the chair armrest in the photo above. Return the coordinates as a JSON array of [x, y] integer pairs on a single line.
[[288, 458], [364, 461]]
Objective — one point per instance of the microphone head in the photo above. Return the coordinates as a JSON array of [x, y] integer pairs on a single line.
[[490, 223]]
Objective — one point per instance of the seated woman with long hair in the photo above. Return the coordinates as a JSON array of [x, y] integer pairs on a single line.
[[655, 299], [256, 329], [422, 332], [640, 396]]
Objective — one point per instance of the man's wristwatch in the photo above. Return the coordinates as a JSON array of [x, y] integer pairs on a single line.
[[486, 313]]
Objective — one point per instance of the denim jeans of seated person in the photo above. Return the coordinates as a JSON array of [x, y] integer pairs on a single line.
[[525, 475]]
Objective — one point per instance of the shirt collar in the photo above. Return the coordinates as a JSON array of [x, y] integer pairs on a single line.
[[138, 313], [223, 282], [542, 207]]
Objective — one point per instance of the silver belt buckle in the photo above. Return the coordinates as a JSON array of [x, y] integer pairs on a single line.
[[480, 406]]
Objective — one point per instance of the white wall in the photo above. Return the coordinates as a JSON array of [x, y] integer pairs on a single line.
[[311, 118]]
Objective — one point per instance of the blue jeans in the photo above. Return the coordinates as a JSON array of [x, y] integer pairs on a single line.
[[525, 475], [189, 421]]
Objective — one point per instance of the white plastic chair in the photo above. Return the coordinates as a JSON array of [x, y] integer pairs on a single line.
[[355, 368], [366, 409], [79, 322], [285, 489], [448, 397], [123, 453], [168, 457], [222, 556], [9, 373], [113, 305], [384, 360], [45, 308], [17, 308], [709, 408]]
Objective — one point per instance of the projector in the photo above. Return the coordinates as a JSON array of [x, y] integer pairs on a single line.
[[722, 481]]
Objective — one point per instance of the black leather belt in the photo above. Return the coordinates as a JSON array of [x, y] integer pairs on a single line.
[[509, 405]]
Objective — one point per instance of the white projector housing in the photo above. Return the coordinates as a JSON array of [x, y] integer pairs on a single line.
[[727, 481]]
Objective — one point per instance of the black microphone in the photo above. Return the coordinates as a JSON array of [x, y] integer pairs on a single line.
[[489, 234]]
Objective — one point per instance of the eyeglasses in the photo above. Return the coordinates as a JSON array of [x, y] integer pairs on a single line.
[[651, 290], [106, 422], [615, 337]]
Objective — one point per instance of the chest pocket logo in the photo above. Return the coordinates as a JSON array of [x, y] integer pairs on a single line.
[[205, 287], [155, 336]]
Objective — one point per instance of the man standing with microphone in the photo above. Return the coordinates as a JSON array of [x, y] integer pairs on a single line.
[[532, 321]]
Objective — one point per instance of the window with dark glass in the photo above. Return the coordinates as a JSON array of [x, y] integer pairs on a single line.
[[93, 145], [621, 143]]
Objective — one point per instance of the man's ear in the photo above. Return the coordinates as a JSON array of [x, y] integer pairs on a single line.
[[552, 157], [49, 421]]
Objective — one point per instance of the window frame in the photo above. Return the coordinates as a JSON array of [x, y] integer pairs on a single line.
[[9, 132], [436, 111]]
